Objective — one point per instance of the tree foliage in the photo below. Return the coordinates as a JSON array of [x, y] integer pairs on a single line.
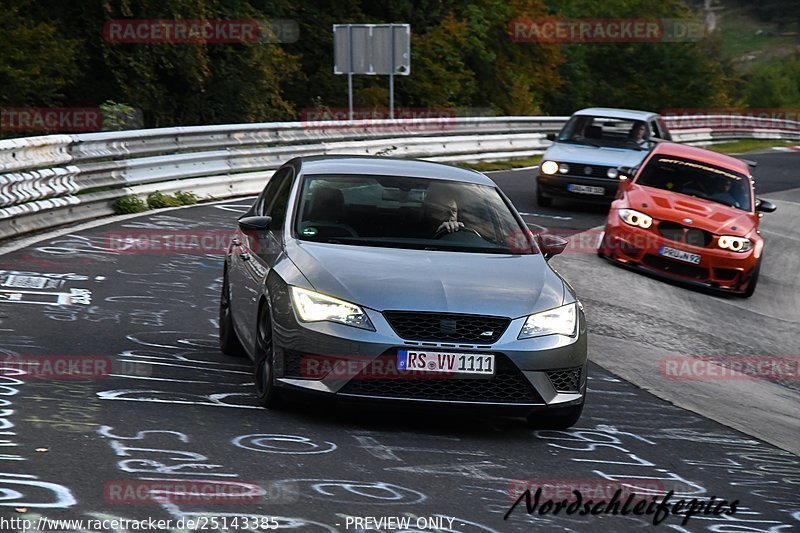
[[29, 74], [53, 53]]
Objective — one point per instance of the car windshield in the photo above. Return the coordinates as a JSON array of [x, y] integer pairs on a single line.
[[406, 212], [606, 132], [700, 180]]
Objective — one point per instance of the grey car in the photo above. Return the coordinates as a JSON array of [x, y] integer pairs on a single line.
[[581, 164], [383, 279]]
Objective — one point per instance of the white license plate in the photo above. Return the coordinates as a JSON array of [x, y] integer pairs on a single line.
[[680, 255], [450, 363], [586, 189]]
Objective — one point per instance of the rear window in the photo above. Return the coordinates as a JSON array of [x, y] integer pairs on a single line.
[[408, 212]]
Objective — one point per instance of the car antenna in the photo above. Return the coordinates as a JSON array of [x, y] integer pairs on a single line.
[[750, 162]]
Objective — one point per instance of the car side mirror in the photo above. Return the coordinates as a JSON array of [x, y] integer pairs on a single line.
[[551, 136], [765, 206], [551, 245], [255, 223]]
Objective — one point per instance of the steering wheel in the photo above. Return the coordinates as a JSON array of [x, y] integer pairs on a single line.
[[442, 232]]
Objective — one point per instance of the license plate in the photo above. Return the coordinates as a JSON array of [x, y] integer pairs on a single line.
[[680, 255], [586, 189], [449, 363]]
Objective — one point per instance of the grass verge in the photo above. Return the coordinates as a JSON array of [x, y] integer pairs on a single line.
[[748, 145], [488, 166]]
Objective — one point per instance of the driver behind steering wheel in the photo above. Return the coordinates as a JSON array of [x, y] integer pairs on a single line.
[[441, 210]]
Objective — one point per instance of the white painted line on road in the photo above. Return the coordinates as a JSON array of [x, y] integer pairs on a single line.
[[545, 216]]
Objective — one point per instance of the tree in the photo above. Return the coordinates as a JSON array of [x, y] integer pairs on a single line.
[[29, 74]]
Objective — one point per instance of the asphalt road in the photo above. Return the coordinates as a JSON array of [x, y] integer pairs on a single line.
[[166, 407]]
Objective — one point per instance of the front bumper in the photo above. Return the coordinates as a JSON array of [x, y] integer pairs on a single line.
[[531, 374], [556, 185], [639, 248]]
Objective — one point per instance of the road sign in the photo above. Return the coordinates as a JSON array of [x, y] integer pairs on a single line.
[[372, 49]]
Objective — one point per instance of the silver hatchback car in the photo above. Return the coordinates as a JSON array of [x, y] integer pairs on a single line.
[[581, 164], [393, 280]]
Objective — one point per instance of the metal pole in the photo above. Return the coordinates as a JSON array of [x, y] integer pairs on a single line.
[[391, 77], [350, 73], [350, 96]]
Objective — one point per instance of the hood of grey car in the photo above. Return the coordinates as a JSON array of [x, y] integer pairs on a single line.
[[591, 155], [421, 280]]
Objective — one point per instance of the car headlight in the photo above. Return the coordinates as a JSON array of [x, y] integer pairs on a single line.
[[612, 173], [635, 218], [558, 321], [315, 307], [549, 167], [736, 244], [563, 168]]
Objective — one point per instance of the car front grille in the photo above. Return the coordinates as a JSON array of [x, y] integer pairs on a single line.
[[679, 233], [447, 327], [675, 267], [508, 385], [588, 171], [566, 380]]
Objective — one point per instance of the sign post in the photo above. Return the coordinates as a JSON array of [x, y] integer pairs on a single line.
[[371, 49]]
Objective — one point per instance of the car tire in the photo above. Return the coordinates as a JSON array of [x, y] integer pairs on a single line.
[[751, 286], [267, 392], [559, 418], [229, 342], [541, 200]]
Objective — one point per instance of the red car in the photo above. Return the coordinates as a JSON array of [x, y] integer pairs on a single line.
[[691, 215]]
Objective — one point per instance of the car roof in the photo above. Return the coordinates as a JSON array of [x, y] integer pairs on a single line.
[[629, 114], [703, 155], [388, 166]]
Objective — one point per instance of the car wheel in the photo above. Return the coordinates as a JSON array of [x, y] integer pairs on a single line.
[[541, 200], [751, 286], [229, 342], [267, 393], [559, 418]]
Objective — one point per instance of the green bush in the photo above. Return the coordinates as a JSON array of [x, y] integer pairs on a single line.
[[158, 199], [186, 198], [129, 204]]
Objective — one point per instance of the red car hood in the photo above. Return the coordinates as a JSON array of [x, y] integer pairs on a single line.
[[705, 214]]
